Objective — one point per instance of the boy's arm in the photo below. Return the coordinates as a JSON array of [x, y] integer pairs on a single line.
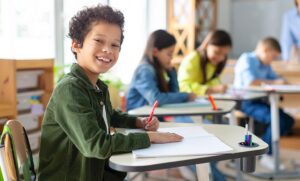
[[122, 120], [246, 71], [259, 82], [75, 115], [272, 78]]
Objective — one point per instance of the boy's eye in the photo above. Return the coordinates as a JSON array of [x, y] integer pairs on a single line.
[[116, 45], [99, 40]]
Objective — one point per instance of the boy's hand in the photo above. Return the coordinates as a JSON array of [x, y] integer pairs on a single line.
[[279, 81], [159, 137], [153, 125]]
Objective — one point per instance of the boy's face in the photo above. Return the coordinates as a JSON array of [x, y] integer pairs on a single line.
[[269, 55], [217, 54], [164, 56], [100, 49]]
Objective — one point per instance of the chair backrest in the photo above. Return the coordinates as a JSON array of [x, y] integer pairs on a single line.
[[15, 138], [8, 161]]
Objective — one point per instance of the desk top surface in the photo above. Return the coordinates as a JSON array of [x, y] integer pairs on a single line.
[[230, 135], [280, 89], [240, 95], [224, 107]]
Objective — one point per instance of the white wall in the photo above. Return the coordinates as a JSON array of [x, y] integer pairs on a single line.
[[141, 18], [250, 20]]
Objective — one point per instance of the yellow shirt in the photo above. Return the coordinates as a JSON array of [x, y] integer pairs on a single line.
[[190, 75]]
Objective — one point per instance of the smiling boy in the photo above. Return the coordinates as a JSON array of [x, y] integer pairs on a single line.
[[76, 142]]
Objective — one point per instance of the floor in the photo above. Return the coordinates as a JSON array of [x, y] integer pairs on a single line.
[[293, 141]]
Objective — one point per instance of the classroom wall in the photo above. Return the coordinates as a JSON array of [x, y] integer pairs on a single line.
[[141, 18], [250, 20]]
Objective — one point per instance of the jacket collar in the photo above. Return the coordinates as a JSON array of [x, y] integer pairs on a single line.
[[78, 72]]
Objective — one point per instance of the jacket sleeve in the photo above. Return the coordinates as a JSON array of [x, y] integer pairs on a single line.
[[214, 81], [122, 120], [189, 76], [146, 84], [77, 118]]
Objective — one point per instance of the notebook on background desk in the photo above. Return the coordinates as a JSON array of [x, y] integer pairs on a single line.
[[197, 103], [282, 87]]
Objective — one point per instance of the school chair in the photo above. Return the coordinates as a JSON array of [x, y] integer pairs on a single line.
[[18, 163]]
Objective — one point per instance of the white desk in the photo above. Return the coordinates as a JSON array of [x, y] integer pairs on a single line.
[[274, 99], [239, 95], [230, 135], [225, 107]]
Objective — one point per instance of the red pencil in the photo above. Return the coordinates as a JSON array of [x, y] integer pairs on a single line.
[[212, 102], [152, 112]]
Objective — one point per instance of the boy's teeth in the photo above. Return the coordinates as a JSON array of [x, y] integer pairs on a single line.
[[103, 59]]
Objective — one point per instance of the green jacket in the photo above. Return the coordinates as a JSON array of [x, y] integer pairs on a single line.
[[190, 76], [74, 142]]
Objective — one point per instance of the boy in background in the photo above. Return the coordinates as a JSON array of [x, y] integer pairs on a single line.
[[254, 69]]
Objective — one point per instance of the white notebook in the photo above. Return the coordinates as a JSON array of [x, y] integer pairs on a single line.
[[283, 87], [197, 141], [199, 102]]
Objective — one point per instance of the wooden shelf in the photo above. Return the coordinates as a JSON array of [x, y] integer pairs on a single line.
[[189, 21], [8, 82], [34, 64], [6, 110], [9, 85]]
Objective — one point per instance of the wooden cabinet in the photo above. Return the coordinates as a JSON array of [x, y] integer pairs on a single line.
[[190, 21], [17, 81]]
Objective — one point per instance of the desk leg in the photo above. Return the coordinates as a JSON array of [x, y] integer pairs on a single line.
[[217, 119], [239, 176], [233, 121], [232, 118], [274, 98], [203, 172]]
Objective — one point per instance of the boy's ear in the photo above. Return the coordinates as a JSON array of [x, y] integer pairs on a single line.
[[265, 49], [76, 46]]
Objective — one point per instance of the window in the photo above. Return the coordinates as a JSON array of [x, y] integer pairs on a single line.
[[27, 32]]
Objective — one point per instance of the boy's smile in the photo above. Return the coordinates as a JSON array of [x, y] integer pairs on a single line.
[[100, 49]]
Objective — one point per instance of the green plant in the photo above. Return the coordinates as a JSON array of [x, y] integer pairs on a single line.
[[110, 79], [60, 71]]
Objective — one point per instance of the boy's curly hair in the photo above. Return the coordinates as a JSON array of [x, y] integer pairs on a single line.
[[80, 24]]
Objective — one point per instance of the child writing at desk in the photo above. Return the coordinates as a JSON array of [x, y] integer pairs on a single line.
[[155, 78], [254, 69], [200, 70], [76, 142]]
